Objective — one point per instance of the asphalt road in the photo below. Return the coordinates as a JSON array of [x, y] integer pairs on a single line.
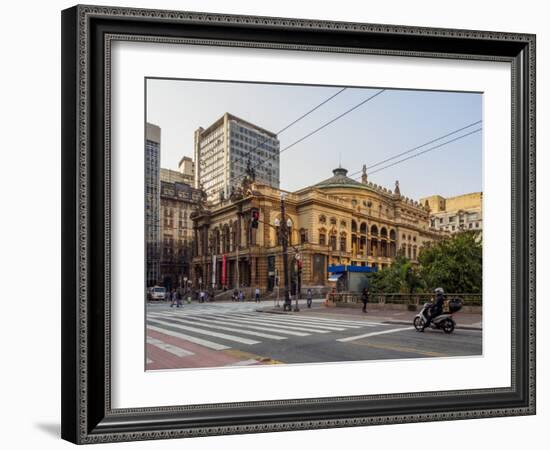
[[226, 334]]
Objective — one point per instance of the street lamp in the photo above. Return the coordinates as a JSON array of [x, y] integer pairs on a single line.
[[284, 226]]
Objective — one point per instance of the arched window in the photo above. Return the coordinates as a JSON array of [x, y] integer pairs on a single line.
[[392, 235], [363, 229], [353, 226], [374, 230], [343, 242], [333, 242], [384, 232], [322, 237]]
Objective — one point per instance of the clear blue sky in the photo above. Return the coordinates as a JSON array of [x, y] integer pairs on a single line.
[[393, 122]]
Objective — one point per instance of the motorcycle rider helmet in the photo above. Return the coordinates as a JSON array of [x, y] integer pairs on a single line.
[[439, 291]]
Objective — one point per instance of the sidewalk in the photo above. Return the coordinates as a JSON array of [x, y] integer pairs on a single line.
[[465, 321]]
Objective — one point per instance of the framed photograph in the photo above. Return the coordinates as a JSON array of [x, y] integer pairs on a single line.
[[281, 224]]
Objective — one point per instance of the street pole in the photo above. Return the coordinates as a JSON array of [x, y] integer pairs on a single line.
[[284, 229], [277, 285]]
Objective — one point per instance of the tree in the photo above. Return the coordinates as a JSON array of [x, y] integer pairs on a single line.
[[454, 263], [401, 277]]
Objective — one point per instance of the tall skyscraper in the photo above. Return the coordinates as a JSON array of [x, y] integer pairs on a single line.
[[225, 149], [152, 203]]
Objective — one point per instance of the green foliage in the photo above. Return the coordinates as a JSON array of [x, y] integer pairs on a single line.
[[454, 263], [401, 277]]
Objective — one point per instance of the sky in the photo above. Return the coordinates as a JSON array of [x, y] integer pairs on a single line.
[[391, 123]]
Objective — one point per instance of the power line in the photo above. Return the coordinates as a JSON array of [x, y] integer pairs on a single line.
[[426, 151], [419, 146], [315, 108], [316, 130]]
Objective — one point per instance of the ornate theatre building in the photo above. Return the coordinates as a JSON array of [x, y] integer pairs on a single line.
[[339, 221]]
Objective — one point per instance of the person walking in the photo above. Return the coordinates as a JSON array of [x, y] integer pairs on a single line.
[[202, 296], [241, 296], [365, 298], [173, 298], [309, 296], [179, 298], [257, 295]]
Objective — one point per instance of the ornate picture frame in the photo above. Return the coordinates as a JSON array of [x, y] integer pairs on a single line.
[[87, 35]]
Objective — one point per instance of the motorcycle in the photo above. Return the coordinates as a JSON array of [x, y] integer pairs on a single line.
[[443, 321]]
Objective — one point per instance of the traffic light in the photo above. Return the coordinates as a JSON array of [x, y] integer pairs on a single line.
[[255, 218]]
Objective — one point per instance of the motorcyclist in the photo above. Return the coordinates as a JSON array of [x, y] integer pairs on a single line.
[[436, 308]]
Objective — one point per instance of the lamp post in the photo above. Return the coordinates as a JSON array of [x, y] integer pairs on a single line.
[[284, 226]]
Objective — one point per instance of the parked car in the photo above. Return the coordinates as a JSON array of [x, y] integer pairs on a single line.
[[157, 293]]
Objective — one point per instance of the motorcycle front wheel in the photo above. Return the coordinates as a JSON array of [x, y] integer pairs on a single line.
[[448, 326], [418, 323]]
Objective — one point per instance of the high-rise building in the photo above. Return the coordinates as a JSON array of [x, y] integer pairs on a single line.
[[454, 214], [225, 149], [152, 204]]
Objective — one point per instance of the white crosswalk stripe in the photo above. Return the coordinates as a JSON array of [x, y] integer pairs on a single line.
[[186, 337], [274, 324], [206, 325], [228, 337], [307, 321], [168, 347], [246, 324], [220, 327], [288, 321]]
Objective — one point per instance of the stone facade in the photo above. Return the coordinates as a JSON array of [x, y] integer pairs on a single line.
[[337, 221], [177, 201]]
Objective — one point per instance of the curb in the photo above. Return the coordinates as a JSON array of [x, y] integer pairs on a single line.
[[406, 322], [382, 320]]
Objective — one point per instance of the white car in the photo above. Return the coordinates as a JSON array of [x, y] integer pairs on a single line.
[[157, 293]]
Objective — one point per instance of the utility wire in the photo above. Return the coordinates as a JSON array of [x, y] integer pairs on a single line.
[[315, 131], [293, 123], [417, 147], [426, 151]]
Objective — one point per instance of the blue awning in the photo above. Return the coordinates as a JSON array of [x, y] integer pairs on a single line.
[[335, 276]]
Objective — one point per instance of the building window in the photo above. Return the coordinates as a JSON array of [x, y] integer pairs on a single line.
[[322, 219], [303, 236], [343, 243], [333, 242], [322, 239]]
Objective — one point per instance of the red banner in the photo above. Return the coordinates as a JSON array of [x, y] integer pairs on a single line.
[[223, 270]]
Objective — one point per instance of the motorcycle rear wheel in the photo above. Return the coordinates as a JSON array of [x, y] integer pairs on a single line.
[[418, 323], [448, 326]]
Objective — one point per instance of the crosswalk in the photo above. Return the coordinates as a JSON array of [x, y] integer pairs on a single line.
[[183, 332]]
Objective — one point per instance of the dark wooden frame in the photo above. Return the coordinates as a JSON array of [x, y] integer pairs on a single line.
[[87, 416]]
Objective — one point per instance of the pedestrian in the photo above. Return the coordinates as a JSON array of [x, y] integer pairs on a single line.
[[258, 295], [179, 298], [201, 296], [309, 296], [365, 298], [173, 298], [235, 295], [241, 296]]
